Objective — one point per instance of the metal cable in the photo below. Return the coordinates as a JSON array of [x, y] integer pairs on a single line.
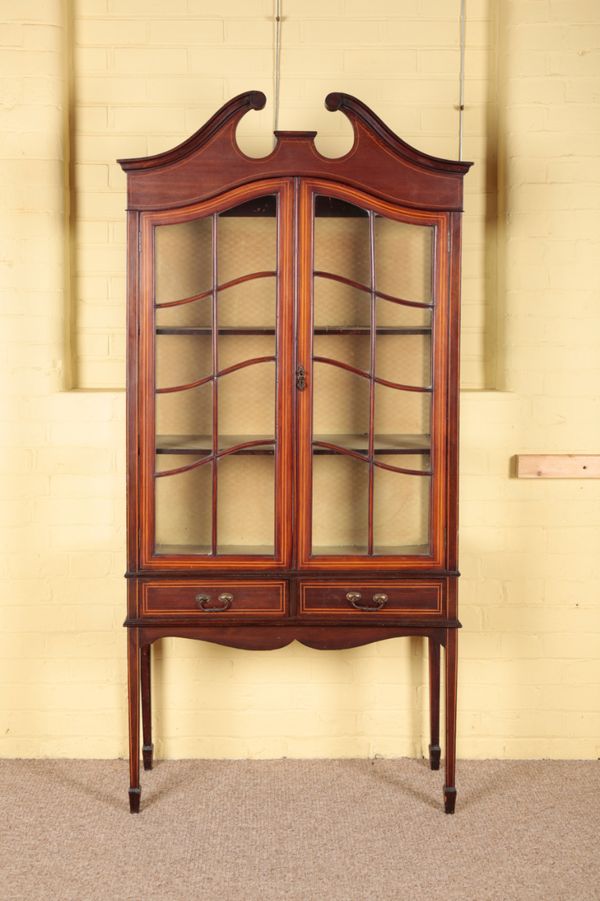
[[461, 78], [277, 72]]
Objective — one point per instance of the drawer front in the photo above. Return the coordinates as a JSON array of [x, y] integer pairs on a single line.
[[209, 598], [380, 598]]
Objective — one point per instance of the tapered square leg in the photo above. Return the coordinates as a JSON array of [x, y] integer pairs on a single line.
[[449, 799], [451, 685], [133, 682], [434, 704], [135, 795], [435, 753], [147, 746], [147, 756]]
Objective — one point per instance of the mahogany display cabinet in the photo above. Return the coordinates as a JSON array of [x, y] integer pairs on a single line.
[[293, 357]]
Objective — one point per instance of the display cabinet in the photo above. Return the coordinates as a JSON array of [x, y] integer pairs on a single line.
[[293, 335]]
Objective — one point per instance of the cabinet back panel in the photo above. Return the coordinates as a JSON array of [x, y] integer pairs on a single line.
[[183, 268], [401, 503], [247, 400], [403, 259], [340, 504], [185, 412], [183, 504], [246, 502]]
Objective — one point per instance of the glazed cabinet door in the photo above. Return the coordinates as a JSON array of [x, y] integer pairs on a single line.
[[215, 381], [372, 333]]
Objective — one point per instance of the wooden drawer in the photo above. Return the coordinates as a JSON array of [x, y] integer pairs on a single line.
[[366, 597], [208, 598]]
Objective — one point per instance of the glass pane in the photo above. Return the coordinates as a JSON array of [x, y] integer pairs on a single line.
[[249, 305], [338, 305], [401, 412], [185, 414], [401, 506], [183, 268], [233, 349], [401, 318], [341, 248], [340, 505], [247, 401], [247, 250], [395, 318], [403, 259], [340, 403], [182, 359], [354, 350], [404, 270], [246, 503], [183, 507], [246, 244], [230, 409], [404, 360]]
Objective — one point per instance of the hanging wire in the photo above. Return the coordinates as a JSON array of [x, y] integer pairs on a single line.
[[461, 78], [277, 73]]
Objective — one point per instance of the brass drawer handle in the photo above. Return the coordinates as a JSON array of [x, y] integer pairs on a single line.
[[355, 597], [203, 601]]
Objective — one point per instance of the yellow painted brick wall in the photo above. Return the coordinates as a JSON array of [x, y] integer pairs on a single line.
[[147, 76], [139, 76]]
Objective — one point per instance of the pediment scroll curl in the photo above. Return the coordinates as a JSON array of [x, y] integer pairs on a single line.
[[210, 162]]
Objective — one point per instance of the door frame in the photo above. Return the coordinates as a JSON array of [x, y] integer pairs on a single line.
[[440, 221], [284, 278]]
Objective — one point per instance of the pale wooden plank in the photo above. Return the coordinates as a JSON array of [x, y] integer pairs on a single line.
[[558, 466]]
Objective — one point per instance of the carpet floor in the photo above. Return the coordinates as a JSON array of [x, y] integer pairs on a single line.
[[300, 830]]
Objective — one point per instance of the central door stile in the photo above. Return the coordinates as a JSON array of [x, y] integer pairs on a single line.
[[294, 363], [286, 289], [304, 353], [215, 380]]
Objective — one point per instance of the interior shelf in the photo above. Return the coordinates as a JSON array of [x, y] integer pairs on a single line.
[[227, 550], [365, 330], [383, 444], [201, 445], [207, 330], [406, 550], [270, 330]]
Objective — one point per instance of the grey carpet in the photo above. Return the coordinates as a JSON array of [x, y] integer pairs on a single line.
[[337, 830]]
